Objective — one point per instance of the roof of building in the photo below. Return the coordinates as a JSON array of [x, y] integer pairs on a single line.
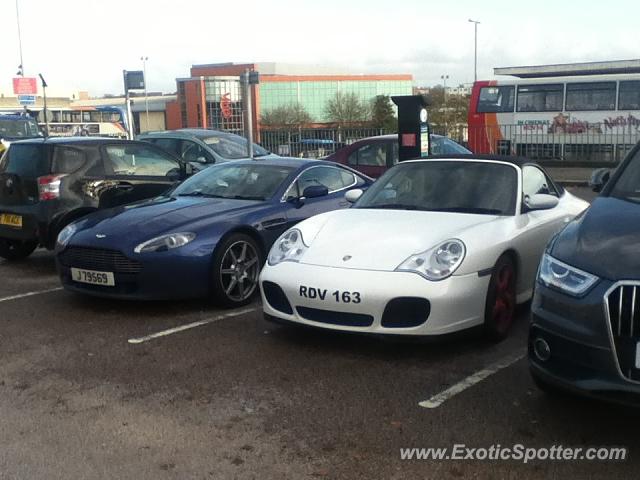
[[571, 69]]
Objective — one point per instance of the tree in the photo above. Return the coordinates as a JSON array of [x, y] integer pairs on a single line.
[[347, 108], [452, 115], [286, 116], [382, 115]]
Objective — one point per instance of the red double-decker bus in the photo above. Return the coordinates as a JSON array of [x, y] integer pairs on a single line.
[[583, 119]]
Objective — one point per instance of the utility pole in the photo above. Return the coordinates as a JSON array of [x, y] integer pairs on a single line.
[[475, 49], [444, 94], [21, 68], [247, 79], [44, 110], [146, 100]]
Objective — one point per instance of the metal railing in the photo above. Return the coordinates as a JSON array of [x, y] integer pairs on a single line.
[[313, 142], [590, 145]]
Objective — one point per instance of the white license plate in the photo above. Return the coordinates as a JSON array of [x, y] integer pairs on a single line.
[[92, 277]]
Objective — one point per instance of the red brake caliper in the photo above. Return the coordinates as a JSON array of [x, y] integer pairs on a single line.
[[503, 306]]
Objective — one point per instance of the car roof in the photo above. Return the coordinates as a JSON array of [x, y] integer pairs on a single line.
[[514, 160], [282, 161], [73, 140], [189, 132], [394, 136], [12, 116]]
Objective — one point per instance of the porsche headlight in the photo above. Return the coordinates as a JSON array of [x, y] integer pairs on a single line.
[[570, 280], [288, 248], [436, 263], [65, 234], [165, 242]]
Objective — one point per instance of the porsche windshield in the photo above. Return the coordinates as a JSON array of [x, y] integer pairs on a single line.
[[628, 185], [253, 181], [446, 186]]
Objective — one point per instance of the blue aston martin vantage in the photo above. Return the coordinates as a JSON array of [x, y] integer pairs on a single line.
[[207, 236]]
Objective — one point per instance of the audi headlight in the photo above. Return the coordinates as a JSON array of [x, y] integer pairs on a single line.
[[65, 234], [165, 242], [288, 248], [571, 280], [436, 263]]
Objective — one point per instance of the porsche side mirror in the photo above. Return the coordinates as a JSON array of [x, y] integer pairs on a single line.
[[353, 195], [201, 160], [599, 179], [540, 201], [314, 191]]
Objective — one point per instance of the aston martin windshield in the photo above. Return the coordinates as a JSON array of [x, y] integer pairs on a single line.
[[446, 186], [628, 185], [252, 181]]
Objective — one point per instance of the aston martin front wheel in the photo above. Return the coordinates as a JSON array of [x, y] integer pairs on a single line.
[[236, 268], [500, 308]]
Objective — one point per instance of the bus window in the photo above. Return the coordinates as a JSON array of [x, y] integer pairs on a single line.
[[540, 98], [629, 95], [591, 96], [496, 99]]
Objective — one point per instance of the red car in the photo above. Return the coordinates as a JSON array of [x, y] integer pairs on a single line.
[[374, 155]]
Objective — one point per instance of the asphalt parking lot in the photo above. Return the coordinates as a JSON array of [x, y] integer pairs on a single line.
[[92, 388]]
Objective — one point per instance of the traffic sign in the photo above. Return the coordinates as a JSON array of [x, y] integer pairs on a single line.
[[27, 99], [25, 86]]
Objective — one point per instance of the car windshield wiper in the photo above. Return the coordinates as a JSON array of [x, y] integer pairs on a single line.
[[479, 210], [243, 197], [395, 206], [198, 193], [262, 154]]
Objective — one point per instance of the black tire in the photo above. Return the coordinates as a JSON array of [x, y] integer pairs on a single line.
[[16, 249], [500, 307], [235, 280]]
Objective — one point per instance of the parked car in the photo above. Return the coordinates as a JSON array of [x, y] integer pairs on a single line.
[[202, 147], [433, 247], [585, 324], [17, 127], [375, 155], [45, 184], [208, 236]]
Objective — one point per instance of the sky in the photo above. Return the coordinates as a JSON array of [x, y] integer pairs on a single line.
[[85, 44]]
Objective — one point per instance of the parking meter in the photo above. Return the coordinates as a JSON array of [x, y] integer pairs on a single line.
[[413, 127]]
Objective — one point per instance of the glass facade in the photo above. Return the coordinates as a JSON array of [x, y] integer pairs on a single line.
[[314, 95]]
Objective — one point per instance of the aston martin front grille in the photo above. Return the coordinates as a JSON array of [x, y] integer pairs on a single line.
[[99, 259]]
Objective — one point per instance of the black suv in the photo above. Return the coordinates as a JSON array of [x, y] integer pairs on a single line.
[[45, 184]]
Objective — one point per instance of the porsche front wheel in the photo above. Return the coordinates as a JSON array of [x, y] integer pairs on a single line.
[[500, 306], [236, 268]]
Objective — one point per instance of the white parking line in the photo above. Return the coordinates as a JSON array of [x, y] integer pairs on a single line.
[[182, 328], [440, 398], [29, 294]]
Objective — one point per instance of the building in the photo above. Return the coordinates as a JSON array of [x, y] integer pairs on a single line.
[[211, 97]]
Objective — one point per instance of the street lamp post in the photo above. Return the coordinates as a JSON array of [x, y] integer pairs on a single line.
[[475, 49], [21, 68], [444, 93], [146, 99]]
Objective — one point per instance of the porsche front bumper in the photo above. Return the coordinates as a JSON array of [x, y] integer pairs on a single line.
[[367, 301]]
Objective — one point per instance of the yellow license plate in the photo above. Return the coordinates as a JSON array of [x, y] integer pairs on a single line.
[[11, 220]]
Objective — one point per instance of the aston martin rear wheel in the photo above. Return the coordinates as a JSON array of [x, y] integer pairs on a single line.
[[500, 306], [236, 268]]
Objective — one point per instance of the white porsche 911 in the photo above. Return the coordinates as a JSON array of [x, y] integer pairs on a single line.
[[434, 246]]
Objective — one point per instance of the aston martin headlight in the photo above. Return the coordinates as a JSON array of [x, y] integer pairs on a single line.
[[165, 242], [570, 280], [436, 263], [288, 248], [65, 234]]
